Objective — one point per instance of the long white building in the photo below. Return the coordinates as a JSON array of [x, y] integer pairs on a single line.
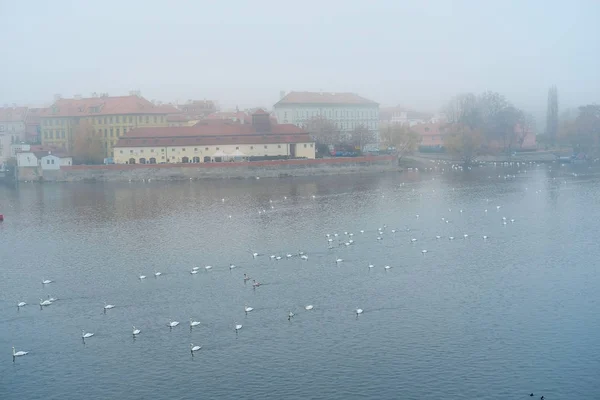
[[346, 110]]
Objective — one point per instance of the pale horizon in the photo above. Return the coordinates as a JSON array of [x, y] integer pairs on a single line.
[[243, 54]]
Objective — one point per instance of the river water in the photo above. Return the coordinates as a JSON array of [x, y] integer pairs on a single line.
[[493, 318]]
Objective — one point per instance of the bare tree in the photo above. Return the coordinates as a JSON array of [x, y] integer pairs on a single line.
[[360, 136], [464, 142], [400, 137], [87, 145]]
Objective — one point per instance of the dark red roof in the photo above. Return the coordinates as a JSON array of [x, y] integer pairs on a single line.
[[213, 133], [214, 140], [212, 129]]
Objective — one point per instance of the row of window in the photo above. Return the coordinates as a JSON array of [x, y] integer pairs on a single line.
[[332, 114], [56, 134], [130, 119], [206, 148], [111, 120]]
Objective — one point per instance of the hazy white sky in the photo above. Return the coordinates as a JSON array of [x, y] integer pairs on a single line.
[[416, 53]]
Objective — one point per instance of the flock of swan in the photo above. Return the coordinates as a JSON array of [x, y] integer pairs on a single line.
[[333, 239]]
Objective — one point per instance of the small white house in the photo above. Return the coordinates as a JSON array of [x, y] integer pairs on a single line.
[[27, 159], [55, 161]]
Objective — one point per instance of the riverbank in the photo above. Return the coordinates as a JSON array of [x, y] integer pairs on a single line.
[[238, 170], [425, 159]]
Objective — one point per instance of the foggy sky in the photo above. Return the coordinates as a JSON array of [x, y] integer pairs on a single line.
[[417, 53]]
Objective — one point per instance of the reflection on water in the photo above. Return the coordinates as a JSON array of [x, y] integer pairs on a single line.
[[471, 318]]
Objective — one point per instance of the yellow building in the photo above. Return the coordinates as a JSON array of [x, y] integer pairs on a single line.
[[109, 117], [215, 141]]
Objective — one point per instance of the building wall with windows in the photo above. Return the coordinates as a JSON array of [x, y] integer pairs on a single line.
[[346, 110], [109, 117], [12, 129], [200, 154]]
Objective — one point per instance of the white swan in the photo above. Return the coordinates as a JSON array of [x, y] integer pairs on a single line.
[[255, 284], [157, 274], [423, 251], [142, 277], [194, 271], [290, 315], [278, 258], [18, 353], [309, 307], [359, 311], [485, 236], [339, 260], [45, 302], [52, 299], [387, 267], [208, 267], [238, 327], [371, 266], [85, 335], [247, 309], [194, 348], [47, 281], [379, 238], [108, 306], [450, 237], [304, 257], [195, 268], [21, 304], [231, 266], [288, 255], [136, 331], [173, 324], [413, 240], [438, 237], [254, 254], [194, 323]]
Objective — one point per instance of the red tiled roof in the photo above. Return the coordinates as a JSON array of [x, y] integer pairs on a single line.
[[213, 133], [214, 140], [260, 111], [106, 106], [324, 98], [13, 114], [211, 129]]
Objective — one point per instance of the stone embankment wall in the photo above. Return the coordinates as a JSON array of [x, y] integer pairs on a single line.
[[263, 169]]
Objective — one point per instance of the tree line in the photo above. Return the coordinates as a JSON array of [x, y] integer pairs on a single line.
[[484, 123]]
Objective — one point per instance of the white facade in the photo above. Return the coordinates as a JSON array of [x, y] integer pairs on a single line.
[[10, 132], [27, 159], [52, 162], [345, 110], [344, 117]]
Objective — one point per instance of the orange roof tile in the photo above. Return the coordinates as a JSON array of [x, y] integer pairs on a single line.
[[13, 114], [106, 106], [324, 98]]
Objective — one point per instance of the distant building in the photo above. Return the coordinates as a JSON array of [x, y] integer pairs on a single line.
[[215, 141], [109, 117], [12, 129], [403, 116], [197, 109], [431, 134], [180, 120], [46, 160], [346, 110]]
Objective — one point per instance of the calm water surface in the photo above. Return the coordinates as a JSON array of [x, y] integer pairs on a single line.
[[471, 318]]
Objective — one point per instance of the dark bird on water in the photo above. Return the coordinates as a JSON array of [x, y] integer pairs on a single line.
[[530, 394]]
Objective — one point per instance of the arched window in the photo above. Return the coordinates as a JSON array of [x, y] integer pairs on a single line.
[[132, 161], [152, 160], [142, 160], [185, 160], [196, 159], [206, 159]]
